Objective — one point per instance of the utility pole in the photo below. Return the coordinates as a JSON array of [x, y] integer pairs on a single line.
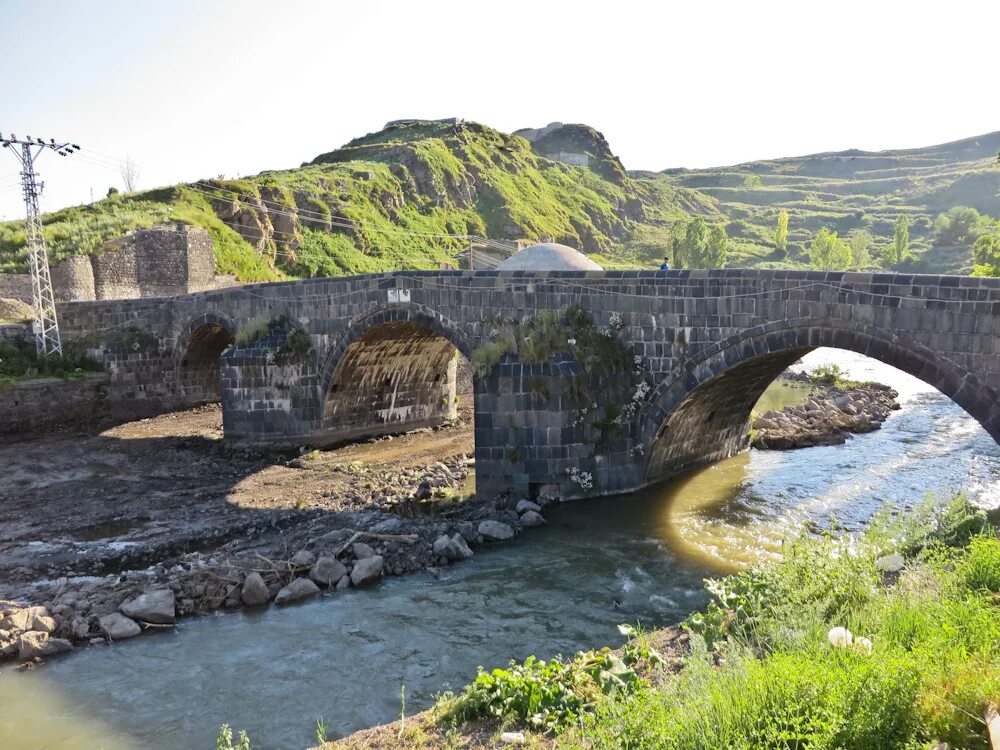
[[26, 150]]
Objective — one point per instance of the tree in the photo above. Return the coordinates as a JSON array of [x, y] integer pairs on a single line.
[[986, 254], [860, 240], [751, 182], [693, 244], [130, 175], [960, 225], [781, 231], [718, 247], [900, 242], [828, 252]]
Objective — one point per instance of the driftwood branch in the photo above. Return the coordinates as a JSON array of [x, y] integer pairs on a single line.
[[993, 725]]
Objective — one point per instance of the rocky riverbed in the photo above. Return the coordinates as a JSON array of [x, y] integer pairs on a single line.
[[828, 417], [288, 529]]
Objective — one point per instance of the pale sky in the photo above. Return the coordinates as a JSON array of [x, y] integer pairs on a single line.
[[190, 89]]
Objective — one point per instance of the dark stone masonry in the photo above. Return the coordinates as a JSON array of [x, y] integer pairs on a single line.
[[381, 358]]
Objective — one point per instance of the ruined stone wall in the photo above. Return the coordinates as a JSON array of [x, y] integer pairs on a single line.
[[16, 286], [14, 332], [36, 405], [73, 279], [116, 273]]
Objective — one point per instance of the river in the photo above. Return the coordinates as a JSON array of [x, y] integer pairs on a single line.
[[554, 590]]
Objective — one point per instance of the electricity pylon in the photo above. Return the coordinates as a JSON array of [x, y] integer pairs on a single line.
[[46, 326]]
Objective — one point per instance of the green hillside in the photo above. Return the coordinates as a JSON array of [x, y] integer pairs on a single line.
[[854, 190], [416, 194]]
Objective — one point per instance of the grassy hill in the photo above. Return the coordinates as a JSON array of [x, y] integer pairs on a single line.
[[851, 190], [413, 194]]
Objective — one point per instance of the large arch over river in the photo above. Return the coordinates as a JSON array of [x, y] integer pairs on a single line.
[[701, 412]]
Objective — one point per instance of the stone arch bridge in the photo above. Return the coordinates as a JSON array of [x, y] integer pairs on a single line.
[[328, 360]]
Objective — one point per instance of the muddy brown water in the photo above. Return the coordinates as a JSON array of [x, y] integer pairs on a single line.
[[558, 589]]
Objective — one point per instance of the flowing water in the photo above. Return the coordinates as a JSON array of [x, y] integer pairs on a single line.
[[554, 590]]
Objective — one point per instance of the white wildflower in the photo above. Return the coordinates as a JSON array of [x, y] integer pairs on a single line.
[[864, 646], [840, 637]]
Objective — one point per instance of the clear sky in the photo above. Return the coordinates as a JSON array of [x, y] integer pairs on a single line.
[[190, 89]]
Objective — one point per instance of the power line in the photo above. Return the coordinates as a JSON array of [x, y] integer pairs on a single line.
[[26, 150]]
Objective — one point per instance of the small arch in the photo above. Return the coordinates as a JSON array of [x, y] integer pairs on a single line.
[[391, 371], [724, 382], [198, 365]]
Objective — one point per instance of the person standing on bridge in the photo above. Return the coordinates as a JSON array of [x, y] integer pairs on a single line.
[[665, 265]]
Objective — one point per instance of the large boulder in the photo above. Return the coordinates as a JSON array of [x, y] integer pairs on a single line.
[[297, 590], [156, 606], [452, 547], [303, 559], [367, 570], [119, 627], [523, 506], [327, 571], [254, 592], [35, 643], [496, 530], [532, 518]]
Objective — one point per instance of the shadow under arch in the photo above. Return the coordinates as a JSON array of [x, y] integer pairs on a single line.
[[197, 361], [701, 413], [392, 370]]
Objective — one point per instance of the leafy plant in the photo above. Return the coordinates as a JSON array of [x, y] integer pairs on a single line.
[[554, 694], [225, 740]]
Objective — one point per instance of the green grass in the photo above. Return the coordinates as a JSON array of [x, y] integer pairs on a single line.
[[763, 672]]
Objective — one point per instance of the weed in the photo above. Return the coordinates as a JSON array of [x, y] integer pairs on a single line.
[[225, 740]]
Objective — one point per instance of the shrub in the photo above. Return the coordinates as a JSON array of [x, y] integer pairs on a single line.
[[552, 694], [20, 360]]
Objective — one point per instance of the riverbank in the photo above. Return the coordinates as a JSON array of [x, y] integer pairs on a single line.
[[774, 660], [832, 412], [136, 526], [129, 529]]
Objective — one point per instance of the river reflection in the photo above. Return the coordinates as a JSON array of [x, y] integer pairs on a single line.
[[554, 590]]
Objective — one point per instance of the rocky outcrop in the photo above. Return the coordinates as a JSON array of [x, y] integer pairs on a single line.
[[27, 633], [826, 419]]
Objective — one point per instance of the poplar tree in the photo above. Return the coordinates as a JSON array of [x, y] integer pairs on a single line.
[[781, 231], [900, 240]]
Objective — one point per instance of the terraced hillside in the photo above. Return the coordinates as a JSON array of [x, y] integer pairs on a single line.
[[851, 190], [416, 195]]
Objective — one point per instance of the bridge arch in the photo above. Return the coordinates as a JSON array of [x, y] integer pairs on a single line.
[[391, 370], [701, 412], [197, 364]]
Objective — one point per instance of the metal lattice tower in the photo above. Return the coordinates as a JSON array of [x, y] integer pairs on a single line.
[[46, 326]]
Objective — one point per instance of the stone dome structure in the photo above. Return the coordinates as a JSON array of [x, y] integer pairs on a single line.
[[549, 256]]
